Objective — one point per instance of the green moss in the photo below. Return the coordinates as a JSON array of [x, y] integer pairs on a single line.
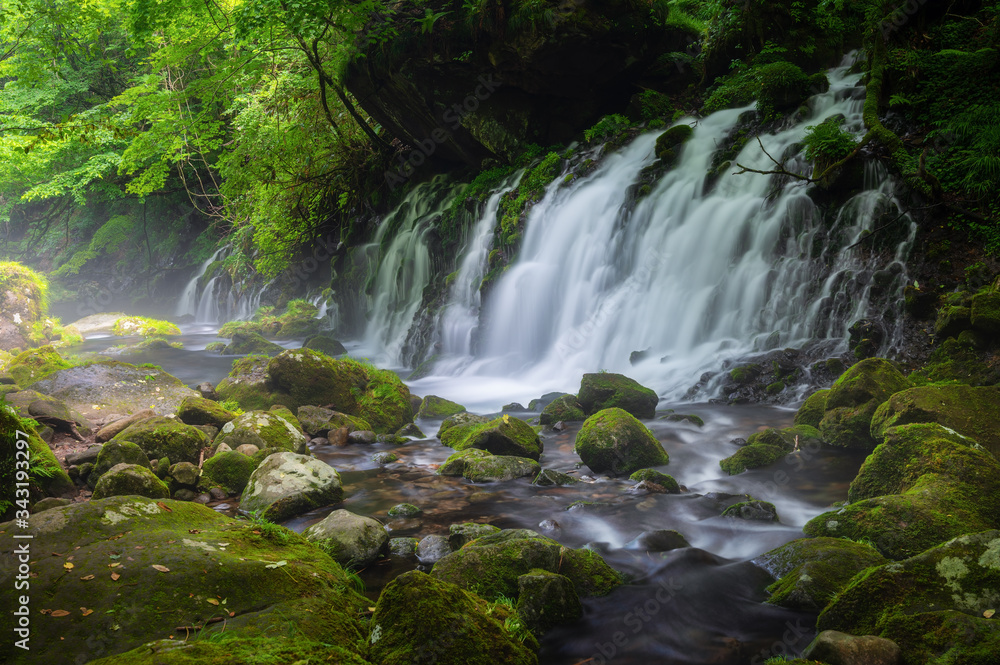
[[165, 437], [457, 427], [566, 409], [130, 480], [684, 418], [653, 476], [264, 429], [613, 440], [325, 344], [956, 362], [811, 411], [546, 600], [229, 470], [944, 637], [46, 476], [239, 648], [113, 453], [501, 436], [30, 288], [853, 399], [433, 406], [251, 343], [496, 468], [201, 411], [455, 464], [668, 144], [590, 573], [141, 325], [607, 390], [752, 457], [35, 364], [529, 189], [985, 314], [762, 511], [744, 373]]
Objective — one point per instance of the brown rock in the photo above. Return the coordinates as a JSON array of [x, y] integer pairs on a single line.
[[108, 432]]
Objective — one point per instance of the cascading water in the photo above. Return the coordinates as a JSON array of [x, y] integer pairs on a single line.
[[219, 300], [189, 300], [695, 275]]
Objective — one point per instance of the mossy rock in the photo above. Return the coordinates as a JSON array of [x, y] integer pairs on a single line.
[[318, 421], [312, 378], [352, 540], [114, 453], [23, 301], [325, 344], [55, 482], [971, 411], [264, 429], [145, 604], [216, 347], [501, 436], [945, 637], [911, 451], [753, 510], [115, 386], [434, 407], [166, 437], [563, 409], [669, 143], [499, 468], [553, 478], [961, 575], [455, 428], [404, 510], [229, 470], [614, 440], [985, 313], [811, 411], [461, 534], [853, 399], [130, 479], [49, 411], [491, 565], [752, 457], [546, 600], [951, 321], [811, 571], [250, 342], [242, 647], [955, 361], [607, 390], [141, 325], [286, 485], [455, 464], [34, 365], [697, 421], [653, 476], [201, 411], [418, 617], [933, 510]]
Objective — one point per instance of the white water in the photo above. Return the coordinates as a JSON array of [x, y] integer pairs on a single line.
[[188, 303], [696, 277]]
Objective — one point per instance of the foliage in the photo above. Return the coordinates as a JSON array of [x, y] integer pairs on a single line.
[[145, 326], [529, 189], [607, 128], [828, 142]]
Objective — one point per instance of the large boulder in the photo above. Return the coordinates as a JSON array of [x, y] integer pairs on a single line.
[[422, 619], [613, 440], [832, 646], [318, 421], [173, 563], [566, 409], [607, 391], [502, 436], [546, 600], [937, 602], [811, 571], [972, 411], [115, 386], [110, 430], [201, 411], [286, 484], [498, 468], [166, 437], [433, 406], [325, 344], [352, 540], [49, 411], [455, 428], [247, 342], [853, 399], [22, 301], [229, 470], [130, 479], [114, 453], [770, 445], [812, 410], [34, 365], [264, 429]]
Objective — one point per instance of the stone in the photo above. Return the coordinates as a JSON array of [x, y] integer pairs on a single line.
[[461, 534], [229, 470], [552, 478], [319, 421], [563, 409], [165, 437], [248, 342], [365, 437], [434, 407], [546, 600], [403, 546], [607, 390], [247, 449], [837, 648], [207, 390], [614, 441], [287, 484], [754, 510], [501, 436], [404, 510], [432, 548], [130, 479], [652, 475], [384, 458], [185, 474], [114, 453], [48, 503], [352, 540], [660, 540], [499, 468], [88, 455], [325, 344], [264, 429], [201, 411], [853, 400]]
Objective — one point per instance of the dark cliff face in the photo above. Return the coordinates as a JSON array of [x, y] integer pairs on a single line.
[[478, 87]]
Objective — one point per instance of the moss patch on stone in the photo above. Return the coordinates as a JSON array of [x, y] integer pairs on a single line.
[[229, 470], [811, 411], [613, 440], [130, 480], [565, 409], [264, 429], [201, 411], [145, 326], [433, 406], [166, 437], [501, 436], [653, 476], [606, 390], [34, 365], [853, 399], [240, 648]]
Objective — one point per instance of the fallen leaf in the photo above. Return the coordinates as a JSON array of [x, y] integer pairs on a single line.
[[87, 578], [194, 530], [278, 564], [232, 614], [114, 565], [371, 609], [56, 554], [140, 547], [162, 569], [86, 612], [115, 576], [989, 613], [60, 613], [213, 601], [68, 566], [45, 611], [164, 506]]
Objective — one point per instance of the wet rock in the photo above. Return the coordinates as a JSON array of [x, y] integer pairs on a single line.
[[352, 540], [184, 494], [613, 441], [247, 449], [838, 648], [543, 401], [229, 471], [411, 429], [607, 390], [434, 407], [338, 437], [811, 411], [432, 549], [461, 534], [546, 600], [501, 436], [218, 493], [318, 421], [88, 455], [384, 458], [403, 547], [201, 411], [110, 430], [287, 484], [325, 344], [551, 477], [565, 409], [207, 390], [319, 441], [754, 510], [684, 418], [549, 525], [130, 479], [513, 407], [499, 468], [404, 510], [264, 429], [114, 453], [165, 437], [853, 399], [247, 342], [653, 476], [661, 540], [362, 436]]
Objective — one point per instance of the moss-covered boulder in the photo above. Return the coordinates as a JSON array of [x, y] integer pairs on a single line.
[[811, 571], [264, 429], [499, 468], [352, 540], [909, 452], [972, 411], [23, 301], [419, 618], [34, 365], [286, 484], [501, 436], [318, 421], [455, 428], [182, 558], [249, 385], [117, 387], [670, 142], [250, 342], [945, 636], [142, 325], [811, 411], [325, 344], [553, 478], [130, 479], [433, 407], [166, 437], [614, 441], [461, 534], [565, 409], [933, 510], [951, 321], [752, 457], [853, 399], [455, 464], [50, 479], [201, 411], [769, 446], [607, 391], [753, 510], [491, 565], [313, 378], [960, 576], [49, 411], [546, 600], [985, 313], [229, 470], [832, 646], [114, 453], [665, 481]]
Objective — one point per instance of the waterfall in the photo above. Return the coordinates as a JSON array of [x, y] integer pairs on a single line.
[[188, 303], [695, 273]]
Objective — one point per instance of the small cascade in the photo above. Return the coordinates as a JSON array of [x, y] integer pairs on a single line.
[[188, 303], [219, 300]]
